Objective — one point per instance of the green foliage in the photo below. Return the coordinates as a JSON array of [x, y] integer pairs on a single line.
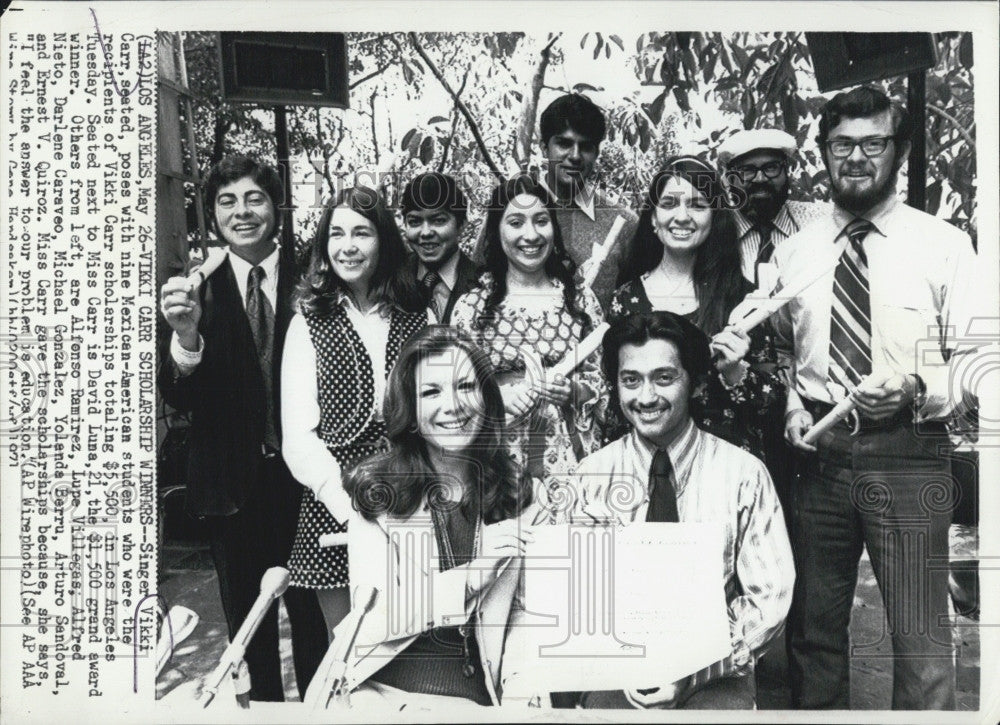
[[765, 80], [467, 104]]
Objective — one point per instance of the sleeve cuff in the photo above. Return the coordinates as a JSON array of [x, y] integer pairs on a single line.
[[744, 369], [331, 494], [185, 360], [794, 401]]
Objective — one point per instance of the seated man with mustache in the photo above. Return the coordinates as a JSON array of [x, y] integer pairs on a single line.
[[654, 362]]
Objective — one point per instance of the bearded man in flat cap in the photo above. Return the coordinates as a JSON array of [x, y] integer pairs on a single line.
[[756, 163]]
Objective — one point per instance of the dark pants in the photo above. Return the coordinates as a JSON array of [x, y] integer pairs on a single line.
[[244, 546], [738, 692], [887, 489]]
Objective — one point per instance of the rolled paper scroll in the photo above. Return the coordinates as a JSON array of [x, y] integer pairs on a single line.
[[840, 411], [581, 352], [599, 253], [770, 305], [216, 256]]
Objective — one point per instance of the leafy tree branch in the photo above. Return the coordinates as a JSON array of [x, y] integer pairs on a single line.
[[463, 109]]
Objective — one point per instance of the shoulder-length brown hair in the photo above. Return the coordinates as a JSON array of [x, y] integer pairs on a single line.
[[392, 282], [399, 481]]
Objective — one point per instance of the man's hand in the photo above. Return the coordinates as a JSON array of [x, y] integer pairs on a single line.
[[654, 697], [182, 309], [797, 422], [882, 398]]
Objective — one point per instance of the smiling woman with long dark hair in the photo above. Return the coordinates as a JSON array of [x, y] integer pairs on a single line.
[[527, 308], [684, 258], [445, 488], [358, 304]]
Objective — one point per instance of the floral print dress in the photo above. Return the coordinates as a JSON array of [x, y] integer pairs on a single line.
[[550, 440], [739, 414]]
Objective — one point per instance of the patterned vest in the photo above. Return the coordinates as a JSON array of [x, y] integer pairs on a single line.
[[345, 378]]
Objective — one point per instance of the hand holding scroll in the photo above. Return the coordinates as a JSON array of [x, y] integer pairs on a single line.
[[882, 398], [729, 349], [181, 307]]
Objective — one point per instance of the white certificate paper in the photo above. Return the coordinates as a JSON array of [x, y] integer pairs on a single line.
[[623, 607]]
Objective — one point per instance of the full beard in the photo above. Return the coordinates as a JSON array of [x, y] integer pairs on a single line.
[[764, 208], [861, 201]]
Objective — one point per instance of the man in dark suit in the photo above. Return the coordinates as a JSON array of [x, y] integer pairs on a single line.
[[222, 363], [434, 210]]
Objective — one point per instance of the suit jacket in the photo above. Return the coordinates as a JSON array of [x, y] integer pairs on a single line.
[[465, 281], [466, 278], [225, 395], [386, 554]]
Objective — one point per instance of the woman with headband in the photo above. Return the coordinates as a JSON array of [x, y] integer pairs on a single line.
[[684, 258]]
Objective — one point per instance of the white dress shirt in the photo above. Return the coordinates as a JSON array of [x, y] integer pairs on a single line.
[[583, 199], [792, 217], [715, 481], [925, 290]]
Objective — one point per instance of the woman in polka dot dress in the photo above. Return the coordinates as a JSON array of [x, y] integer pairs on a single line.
[[357, 306], [529, 312]]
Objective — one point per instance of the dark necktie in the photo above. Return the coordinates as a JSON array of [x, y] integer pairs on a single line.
[[429, 282], [764, 251], [850, 316], [662, 497], [261, 315]]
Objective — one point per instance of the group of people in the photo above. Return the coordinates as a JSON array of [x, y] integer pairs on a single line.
[[400, 383]]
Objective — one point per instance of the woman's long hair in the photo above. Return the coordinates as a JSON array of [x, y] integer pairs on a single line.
[[558, 265], [718, 278], [392, 282], [397, 482]]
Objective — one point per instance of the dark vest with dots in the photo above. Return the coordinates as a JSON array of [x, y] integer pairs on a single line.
[[345, 378]]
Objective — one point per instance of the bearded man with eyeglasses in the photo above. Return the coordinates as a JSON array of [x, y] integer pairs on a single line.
[[880, 326], [756, 167]]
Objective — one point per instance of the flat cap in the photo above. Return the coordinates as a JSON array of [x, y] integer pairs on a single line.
[[743, 142]]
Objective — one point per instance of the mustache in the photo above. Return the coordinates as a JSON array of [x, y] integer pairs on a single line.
[[644, 407]]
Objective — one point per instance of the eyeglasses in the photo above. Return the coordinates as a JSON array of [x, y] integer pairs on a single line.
[[771, 170], [841, 148]]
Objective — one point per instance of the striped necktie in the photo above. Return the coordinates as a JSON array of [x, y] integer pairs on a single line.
[[850, 318]]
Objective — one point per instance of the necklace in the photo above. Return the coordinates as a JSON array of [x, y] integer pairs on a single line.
[[659, 276], [449, 562]]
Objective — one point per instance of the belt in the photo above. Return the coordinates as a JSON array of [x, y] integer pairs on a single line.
[[855, 424]]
